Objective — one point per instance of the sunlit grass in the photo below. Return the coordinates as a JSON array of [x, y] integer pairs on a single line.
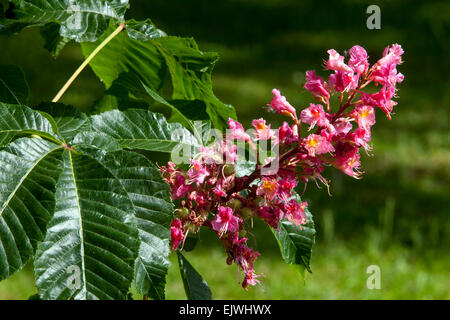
[[339, 272]]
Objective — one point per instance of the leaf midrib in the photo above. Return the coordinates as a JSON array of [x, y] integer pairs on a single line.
[[83, 262]]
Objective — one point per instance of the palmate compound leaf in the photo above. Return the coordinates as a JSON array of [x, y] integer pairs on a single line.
[[92, 240], [125, 54], [145, 54], [152, 203], [18, 120], [142, 129], [195, 286], [295, 243], [190, 70], [29, 170], [69, 121], [80, 20]]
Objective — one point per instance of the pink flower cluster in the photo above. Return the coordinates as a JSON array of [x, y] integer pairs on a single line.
[[209, 193]]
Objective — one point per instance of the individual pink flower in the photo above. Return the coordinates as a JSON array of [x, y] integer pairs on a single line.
[[316, 144], [225, 221], [381, 99], [343, 81], [342, 126], [364, 116], [285, 187], [288, 134], [386, 75], [237, 131], [391, 55], [250, 278], [295, 212], [218, 190], [176, 233], [313, 115], [347, 160], [361, 137], [281, 105], [358, 60], [270, 215], [317, 86], [179, 187], [336, 62], [263, 131], [197, 173], [268, 188]]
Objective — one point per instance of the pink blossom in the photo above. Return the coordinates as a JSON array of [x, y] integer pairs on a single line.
[[386, 75], [237, 131], [364, 115], [381, 99], [347, 160], [176, 233], [391, 55], [294, 212], [336, 62], [179, 187], [263, 131], [317, 86], [281, 105], [316, 144], [225, 221], [268, 188], [197, 173], [342, 125], [287, 134], [218, 190], [343, 81], [358, 60], [285, 187], [313, 115], [270, 215], [361, 137], [250, 279]]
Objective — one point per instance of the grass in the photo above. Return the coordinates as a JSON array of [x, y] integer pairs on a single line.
[[339, 272]]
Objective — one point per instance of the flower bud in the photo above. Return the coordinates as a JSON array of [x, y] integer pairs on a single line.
[[228, 170], [183, 212], [246, 212], [235, 204]]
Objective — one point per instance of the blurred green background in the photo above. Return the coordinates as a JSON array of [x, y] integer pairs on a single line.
[[396, 217]]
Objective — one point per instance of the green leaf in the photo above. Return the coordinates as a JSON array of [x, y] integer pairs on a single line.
[[96, 140], [68, 119], [141, 129], [80, 20], [54, 42], [190, 71], [13, 86], [195, 287], [295, 243], [151, 199], [92, 240], [30, 169], [124, 54], [20, 120]]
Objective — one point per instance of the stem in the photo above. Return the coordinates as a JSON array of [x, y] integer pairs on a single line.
[[86, 62]]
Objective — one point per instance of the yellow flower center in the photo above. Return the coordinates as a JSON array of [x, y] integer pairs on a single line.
[[268, 185], [312, 142], [260, 126], [364, 114]]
